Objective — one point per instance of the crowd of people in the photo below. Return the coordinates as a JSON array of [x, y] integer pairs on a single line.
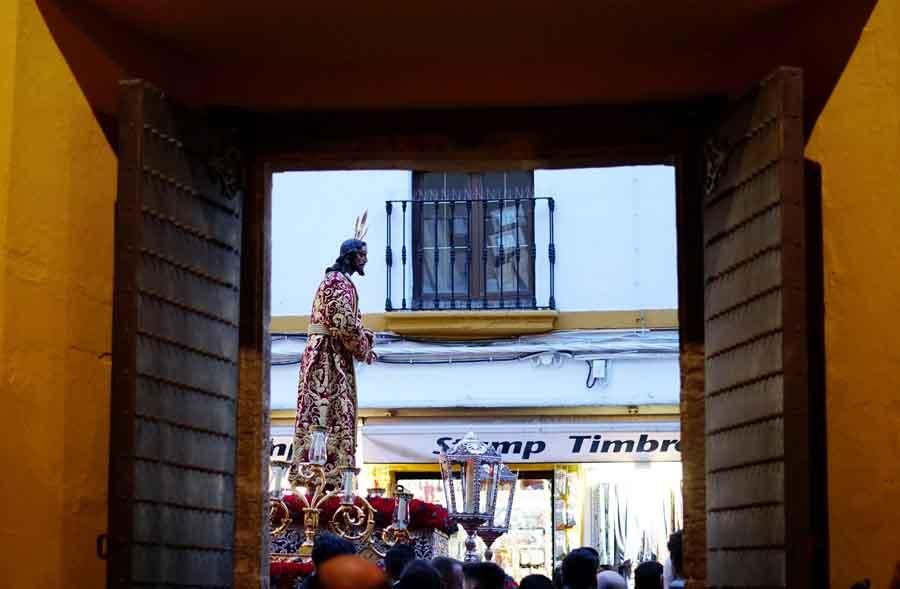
[[338, 567]]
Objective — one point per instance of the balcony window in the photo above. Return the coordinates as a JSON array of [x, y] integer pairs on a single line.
[[473, 240]]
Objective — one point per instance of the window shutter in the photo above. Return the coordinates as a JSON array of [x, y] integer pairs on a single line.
[[175, 350], [757, 454]]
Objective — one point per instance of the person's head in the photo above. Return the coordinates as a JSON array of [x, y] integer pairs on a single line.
[[579, 568], [648, 575], [451, 571], [327, 546], [593, 551], [353, 257], [610, 579], [675, 552], [536, 582], [483, 575], [419, 574], [351, 572], [397, 558]]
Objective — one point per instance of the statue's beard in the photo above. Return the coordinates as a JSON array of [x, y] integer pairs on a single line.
[[360, 270]]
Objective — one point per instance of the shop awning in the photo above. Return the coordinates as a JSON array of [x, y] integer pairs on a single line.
[[540, 440]]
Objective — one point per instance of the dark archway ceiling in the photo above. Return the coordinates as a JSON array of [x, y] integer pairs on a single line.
[[294, 55]]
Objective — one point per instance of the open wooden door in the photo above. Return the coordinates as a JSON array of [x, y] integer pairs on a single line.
[[758, 491], [175, 347]]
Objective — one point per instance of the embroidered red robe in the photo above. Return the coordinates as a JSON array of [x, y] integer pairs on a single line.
[[327, 391]]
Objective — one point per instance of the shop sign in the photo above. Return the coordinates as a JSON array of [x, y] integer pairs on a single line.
[[525, 443]]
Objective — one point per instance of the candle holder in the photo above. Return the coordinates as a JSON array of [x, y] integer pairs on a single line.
[[353, 520], [311, 479], [401, 507], [398, 531], [279, 512]]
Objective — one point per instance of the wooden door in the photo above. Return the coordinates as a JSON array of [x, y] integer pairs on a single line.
[[757, 371], [175, 347]]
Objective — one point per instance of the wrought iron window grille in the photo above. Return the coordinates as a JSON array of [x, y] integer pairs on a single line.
[[468, 254]]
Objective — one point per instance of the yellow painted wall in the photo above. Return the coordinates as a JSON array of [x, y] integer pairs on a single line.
[[57, 187], [857, 142]]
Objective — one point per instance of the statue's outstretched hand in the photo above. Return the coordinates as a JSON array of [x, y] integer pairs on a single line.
[[371, 357]]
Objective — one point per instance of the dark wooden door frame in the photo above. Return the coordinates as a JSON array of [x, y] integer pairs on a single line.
[[514, 138], [251, 553], [506, 139], [689, 236]]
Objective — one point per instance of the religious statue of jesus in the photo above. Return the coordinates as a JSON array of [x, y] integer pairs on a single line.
[[326, 395]]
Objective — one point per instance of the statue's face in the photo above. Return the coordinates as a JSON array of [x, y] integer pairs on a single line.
[[361, 258]]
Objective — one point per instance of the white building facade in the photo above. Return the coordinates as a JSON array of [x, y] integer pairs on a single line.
[[614, 232], [535, 308]]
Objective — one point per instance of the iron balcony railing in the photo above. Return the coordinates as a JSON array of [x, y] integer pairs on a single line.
[[471, 254]]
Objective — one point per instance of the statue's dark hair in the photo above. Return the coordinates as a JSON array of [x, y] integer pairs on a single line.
[[343, 263]]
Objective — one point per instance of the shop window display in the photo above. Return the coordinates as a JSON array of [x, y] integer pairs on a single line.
[[630, 509], [625, 510]]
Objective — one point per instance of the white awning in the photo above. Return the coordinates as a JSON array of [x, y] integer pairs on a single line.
[[519, 440]]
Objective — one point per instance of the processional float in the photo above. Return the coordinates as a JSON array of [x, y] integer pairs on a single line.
[[475, 483]]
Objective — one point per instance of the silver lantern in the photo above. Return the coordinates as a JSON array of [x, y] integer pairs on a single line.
[[503, 498], [470, 470]]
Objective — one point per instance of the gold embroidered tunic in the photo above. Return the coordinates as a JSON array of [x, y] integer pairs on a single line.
[[327, 391]]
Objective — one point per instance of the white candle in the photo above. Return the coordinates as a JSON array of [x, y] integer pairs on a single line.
[[347, 480], [278, 475], [402, 510]]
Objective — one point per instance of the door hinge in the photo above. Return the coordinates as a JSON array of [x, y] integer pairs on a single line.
[[103, 546]]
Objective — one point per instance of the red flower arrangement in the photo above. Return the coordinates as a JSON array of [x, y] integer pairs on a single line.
[[422, 515], [429, 515], [286, 573]]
